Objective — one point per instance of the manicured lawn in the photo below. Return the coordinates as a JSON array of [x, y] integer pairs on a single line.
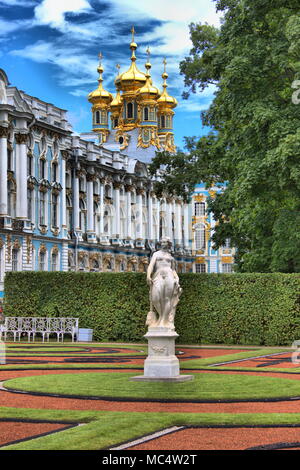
[[103, 430], [205, 386]]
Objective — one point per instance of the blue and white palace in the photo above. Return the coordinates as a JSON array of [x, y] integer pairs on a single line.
[[86, 203]]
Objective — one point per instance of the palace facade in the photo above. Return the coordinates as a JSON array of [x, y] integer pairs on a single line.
[[86, 202]]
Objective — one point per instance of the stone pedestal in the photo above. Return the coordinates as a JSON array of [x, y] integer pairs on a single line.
[[161, 364]]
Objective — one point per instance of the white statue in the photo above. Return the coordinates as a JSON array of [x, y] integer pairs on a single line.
[[3, 97], [164, 287]]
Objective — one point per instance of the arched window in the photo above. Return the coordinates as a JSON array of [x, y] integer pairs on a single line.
[[42, 208], [97, 218], [162, 122], [15, 259], [30, 204], [82, 216], [146, 114], [11, 200], [129, 110], [200, 238], [97, 117], [42, 169], [54, 210], [69, 212], [116, 122], [54, 172], [107, 220], [42, 261], [54, 261]]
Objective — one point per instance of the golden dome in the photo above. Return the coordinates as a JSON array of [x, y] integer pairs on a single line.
[[165, 100], [100, 96], [148, 91], [133, 79]]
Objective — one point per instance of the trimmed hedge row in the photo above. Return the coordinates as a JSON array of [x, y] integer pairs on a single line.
[[214, 308]]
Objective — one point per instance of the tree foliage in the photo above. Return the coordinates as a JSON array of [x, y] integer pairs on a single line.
[[252, 60]]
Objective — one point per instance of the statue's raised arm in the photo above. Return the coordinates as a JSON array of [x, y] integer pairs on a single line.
[[164, 287]]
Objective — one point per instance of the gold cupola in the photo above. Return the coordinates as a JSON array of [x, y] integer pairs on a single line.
[[148, 92], [166, 104], [129, 82], [100, 99]]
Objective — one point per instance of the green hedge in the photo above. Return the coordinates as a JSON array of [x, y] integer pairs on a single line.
[[214, 308]]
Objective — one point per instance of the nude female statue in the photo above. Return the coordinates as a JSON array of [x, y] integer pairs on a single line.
[[164, 287]]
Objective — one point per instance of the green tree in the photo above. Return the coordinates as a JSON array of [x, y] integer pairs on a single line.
[[252, 60]]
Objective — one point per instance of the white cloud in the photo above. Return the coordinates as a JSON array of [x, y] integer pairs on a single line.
[[52, 12]]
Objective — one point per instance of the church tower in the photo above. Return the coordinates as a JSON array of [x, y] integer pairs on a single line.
[[141, 116], [101, 100]]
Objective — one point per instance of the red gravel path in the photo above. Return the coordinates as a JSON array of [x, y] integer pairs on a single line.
[[221, 439], [197, 438], [13, 431]]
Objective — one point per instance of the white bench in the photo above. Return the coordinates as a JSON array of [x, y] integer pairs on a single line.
[[39, 325]]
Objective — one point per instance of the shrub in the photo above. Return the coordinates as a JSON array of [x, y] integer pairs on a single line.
[[214, 308]]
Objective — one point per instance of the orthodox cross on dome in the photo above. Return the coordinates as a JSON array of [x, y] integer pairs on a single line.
[[148, 52], [133, 32], [165, 64], [100, 56]]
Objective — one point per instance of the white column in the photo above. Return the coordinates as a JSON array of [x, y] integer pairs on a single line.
[[128, 213], [117, 210], [186, 226], [21, 175], [139, 201], [90, 205], [178, 224], [76, 202], [102, 182], [3, 170], [169, 219], [63, 191], [158, 219], [150, 217]]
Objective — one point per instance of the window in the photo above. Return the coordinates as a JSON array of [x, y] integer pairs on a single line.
[[82, 216], [11, 200], [146, 114], [103, 117], [42, 169], [42, 208], [14, 259], [116, 122], [42, 261], [29, 165], [200, 238], [227, 268], [54, 175], [129, 110], [54, 210], [30, 199], [200, 268], [54, 258], [97, 117], [199, 209], [9, 160], [162, 122]]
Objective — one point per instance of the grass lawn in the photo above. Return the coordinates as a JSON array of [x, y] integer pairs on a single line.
[[205, 386], [102, 430]]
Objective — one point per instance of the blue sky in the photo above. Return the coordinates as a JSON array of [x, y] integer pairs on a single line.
[[49, 49]]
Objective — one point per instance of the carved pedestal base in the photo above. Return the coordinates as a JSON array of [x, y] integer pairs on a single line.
[[161, 363]]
